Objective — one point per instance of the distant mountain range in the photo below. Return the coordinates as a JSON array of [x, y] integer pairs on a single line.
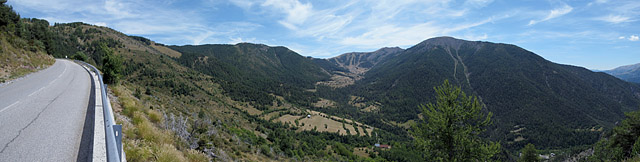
[[246, 98], [533, 100], [630, 73]]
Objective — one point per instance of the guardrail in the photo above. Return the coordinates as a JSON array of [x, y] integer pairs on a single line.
[[113, 132]]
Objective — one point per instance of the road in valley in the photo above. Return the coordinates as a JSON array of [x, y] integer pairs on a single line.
[[42, 116]]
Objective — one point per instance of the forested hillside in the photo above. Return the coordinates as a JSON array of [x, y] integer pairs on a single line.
[[533, 100], [253, 102], [21, 50], [255, 72], [171, 111]]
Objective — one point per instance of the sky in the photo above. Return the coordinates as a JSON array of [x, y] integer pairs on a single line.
[[596, 34]]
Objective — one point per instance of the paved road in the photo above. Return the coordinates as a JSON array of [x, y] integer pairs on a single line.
[[42, 116]]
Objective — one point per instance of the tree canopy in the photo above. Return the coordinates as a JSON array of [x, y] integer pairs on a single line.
[[450, 129], [529, 154]]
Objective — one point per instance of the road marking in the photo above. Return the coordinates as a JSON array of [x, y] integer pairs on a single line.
[[36, 91], [9, 106], [64, 71]]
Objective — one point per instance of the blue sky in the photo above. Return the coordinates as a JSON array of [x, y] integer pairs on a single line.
[[596, 34]]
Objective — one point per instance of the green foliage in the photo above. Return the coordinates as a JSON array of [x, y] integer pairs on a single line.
[[529, 154], [112, 64], [80, 56], [635, 151], [555, 103], [248, 136], [253, 72], [450, 129], [403, 152], [623, 142], [8, 17]]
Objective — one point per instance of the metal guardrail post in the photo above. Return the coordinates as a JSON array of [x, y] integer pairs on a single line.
[[113, 132]]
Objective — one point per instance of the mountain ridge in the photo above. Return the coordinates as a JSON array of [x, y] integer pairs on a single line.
[[630, 73], [510, 81]]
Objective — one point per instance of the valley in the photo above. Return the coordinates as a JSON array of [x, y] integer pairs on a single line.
[[256, 102]]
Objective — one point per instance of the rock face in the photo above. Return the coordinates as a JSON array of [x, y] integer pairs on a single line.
[[630, 73]]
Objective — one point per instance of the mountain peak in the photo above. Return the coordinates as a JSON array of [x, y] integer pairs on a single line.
[[446, 41], [388, 49]]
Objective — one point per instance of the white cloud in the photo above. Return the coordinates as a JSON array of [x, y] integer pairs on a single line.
[[475, 37], [235, 40], [161, 20], [297, 13], [553, 14], [368, 24], [615, 19], [391, 35], [630, 38], [100, 24]]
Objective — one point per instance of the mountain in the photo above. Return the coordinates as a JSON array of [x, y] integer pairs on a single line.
[[350, 67], [533, 100], [630, 73], [21, 53], [261, 103], [361, 62], [255, 72]]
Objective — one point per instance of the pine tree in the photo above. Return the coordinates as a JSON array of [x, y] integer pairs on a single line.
[[449, 129], [635, 151], [529, 154], [112, 64]]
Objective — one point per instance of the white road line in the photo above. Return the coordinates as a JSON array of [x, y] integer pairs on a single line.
[[36, 91], [9, 106], [64, 71]]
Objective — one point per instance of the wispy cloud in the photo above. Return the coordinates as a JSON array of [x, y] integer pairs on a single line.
[[331, 27], [366, 24], [141, 17], [616, 19], [632, 38], [553, 14], [296, 12]]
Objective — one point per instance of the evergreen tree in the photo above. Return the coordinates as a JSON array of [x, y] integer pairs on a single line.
[[111, 64], [623, 143], [529, 154], [449, 129], [635, 151]]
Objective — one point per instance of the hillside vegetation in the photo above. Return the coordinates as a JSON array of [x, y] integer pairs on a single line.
[[20, 53], [253, 102], [175, 112]]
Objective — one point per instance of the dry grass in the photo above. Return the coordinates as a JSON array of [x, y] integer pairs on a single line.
[[338, 81], [324, 103], [143, 139], [362, 151], [370, 108], [357, 101], [318, 121], [167, 51], [17, 62]]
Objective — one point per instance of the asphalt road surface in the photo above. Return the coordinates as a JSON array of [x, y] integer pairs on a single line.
[[42, 116]]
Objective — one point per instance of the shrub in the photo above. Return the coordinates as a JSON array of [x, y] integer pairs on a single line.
[[155, 116]]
